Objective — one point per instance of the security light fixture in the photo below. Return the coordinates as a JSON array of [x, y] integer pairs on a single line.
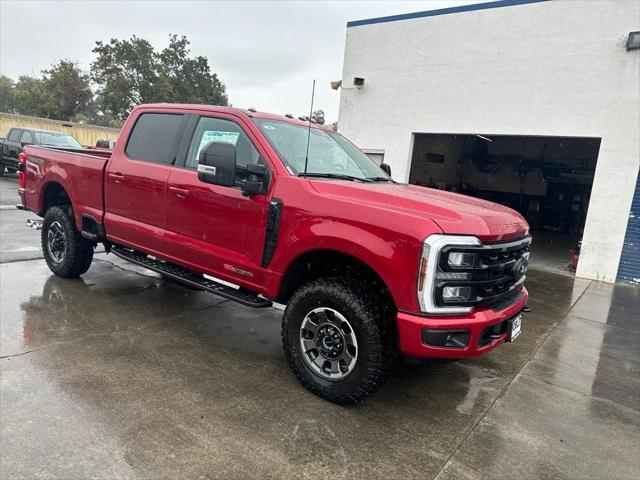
[[358, 82], [633, 42]]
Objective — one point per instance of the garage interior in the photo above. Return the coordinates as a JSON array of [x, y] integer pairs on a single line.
[[547, 179]]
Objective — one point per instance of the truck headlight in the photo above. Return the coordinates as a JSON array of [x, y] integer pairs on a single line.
[[462, 259], [457, 294], [428, 268]]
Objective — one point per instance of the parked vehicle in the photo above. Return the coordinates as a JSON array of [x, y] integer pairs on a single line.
[[106, 143], [18, 138], [367, 267]]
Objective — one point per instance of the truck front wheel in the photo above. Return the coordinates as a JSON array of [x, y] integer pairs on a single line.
[[338, 340], [67, 254]]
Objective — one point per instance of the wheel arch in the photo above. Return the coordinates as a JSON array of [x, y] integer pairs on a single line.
[[318, 263], [53, 194]]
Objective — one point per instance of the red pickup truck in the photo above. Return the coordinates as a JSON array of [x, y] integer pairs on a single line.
[[261, 208]]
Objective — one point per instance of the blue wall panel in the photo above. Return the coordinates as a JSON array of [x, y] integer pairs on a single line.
[[629, 268]]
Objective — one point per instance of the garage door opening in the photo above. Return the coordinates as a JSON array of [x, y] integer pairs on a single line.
[[547, 179]]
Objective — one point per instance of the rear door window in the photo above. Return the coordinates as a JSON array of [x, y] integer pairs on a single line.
[[154, 138], [27, 138]]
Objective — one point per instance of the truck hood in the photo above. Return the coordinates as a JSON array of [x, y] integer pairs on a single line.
[[452, 212]]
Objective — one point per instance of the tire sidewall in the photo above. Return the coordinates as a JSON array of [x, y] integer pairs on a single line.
[[366, 332], [74, 251]]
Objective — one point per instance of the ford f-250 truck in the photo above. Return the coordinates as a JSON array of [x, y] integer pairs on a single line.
[[261, 208]]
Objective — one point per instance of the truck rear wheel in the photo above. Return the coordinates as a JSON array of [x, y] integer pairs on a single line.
[[338, 340], [67, 254]]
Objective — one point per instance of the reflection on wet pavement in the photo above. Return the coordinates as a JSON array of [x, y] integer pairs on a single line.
[[121, 375]]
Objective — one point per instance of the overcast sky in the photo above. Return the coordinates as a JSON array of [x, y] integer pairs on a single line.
[[267, 53]]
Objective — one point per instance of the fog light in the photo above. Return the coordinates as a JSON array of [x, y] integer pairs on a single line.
[[445, 338], [456, 293], [462, 259]]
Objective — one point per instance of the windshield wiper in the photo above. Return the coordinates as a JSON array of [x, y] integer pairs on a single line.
[[339, 176], [381, 179]]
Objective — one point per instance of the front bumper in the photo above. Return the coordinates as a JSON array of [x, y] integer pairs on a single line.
[[10, 162], [476, 323]]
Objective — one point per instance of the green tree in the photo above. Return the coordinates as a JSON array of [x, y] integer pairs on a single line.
[[96, 116], [188, 80], [126, 74], [318, 116], [131, 72], [7, 95], [31, 96], [68, 91]]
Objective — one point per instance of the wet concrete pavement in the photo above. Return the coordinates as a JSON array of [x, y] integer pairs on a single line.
[[16, 242], [121, 375]]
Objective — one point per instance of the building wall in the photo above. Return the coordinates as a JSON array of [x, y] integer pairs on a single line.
[[87, 135], [549, 68]]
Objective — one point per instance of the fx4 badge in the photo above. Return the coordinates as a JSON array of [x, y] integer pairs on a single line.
[[239, 271]]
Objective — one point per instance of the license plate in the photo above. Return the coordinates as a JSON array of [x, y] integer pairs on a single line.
[[516, 327]]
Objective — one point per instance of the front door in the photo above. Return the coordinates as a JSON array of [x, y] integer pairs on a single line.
[[214, 227], [136, 182]]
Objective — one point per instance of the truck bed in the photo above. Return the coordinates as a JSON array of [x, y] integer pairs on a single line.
[[79, 172]]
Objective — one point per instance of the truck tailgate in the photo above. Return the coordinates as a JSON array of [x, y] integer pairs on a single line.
[[79, 173]]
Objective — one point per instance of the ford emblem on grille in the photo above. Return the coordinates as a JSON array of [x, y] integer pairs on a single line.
[[519, 268]]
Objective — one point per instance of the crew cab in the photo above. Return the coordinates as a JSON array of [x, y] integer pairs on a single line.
[[18, 138], [262, 209]]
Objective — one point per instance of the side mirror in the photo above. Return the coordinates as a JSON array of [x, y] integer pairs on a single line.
[[217, 164], [386, 168], [24, 144], [254, 179]]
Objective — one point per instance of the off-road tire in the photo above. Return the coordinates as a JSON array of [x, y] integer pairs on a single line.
[[372, 322], [78, 251]]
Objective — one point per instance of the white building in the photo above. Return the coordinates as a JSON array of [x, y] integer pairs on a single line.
[[535, 104]]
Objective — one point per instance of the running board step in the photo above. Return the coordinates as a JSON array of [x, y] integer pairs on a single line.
[[191, 278]]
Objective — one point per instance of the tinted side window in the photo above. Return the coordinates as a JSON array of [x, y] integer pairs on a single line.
[[154, 137], [218, 130], [27, 138], [14, 135]]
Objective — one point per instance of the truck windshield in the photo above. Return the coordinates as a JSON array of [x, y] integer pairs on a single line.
[[56, 139], [330, 154]]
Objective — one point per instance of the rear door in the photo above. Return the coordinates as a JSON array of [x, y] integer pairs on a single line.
[[213, 227], [136, 181]]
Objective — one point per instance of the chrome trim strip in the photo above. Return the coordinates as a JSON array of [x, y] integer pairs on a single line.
[[500, 246], [207, 169], [431, 250]]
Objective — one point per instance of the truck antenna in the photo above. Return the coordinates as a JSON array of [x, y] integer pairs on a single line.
[[306, 158]]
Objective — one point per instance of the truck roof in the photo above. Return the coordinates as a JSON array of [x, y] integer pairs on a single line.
[[40, 130], [221, 109]]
